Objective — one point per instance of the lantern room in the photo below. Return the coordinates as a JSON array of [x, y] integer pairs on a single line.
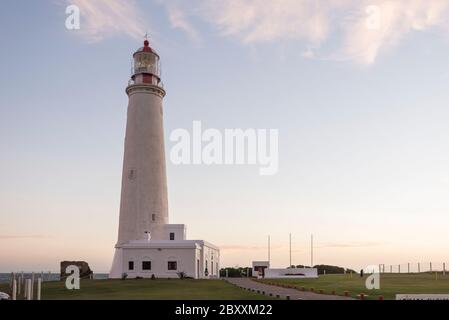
[[146, 66]]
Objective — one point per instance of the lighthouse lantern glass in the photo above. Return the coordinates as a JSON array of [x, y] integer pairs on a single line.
[[147, 62]]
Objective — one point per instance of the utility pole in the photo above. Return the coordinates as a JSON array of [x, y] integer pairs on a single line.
[[269, 249], [311, 251], [290, 250]]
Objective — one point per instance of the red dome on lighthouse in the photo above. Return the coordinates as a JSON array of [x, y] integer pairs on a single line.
[[146, 48]]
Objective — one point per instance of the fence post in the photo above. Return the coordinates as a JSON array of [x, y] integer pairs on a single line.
[[29, 291], [14, 289], [399, 268], [32, 285], [391, 269], [408, 267], [419, 267], [39, 287], [431, 267], [444, 268]]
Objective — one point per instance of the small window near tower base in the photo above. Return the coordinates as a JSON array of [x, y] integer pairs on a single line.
[[146, 265], [132, 174], [131, 265], [153, 217], [172, 265], [172, 236]]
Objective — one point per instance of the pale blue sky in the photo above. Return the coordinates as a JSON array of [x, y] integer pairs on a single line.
[[363, 137]]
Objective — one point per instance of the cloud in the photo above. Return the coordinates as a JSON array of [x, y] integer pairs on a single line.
[[256, 21], [379, 26], [362, 29], [243, 247], [11, 237], [104, 18], [178, 20], [358, 31], [349, 245]]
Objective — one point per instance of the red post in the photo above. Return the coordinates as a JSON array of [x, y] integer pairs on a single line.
[[346, 293], [362, 296], [381, 298]]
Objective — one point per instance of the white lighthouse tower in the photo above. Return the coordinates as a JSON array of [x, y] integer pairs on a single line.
[[143, 206], [147, 245]]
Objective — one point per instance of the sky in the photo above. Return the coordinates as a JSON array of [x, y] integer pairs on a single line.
[[357, 90]]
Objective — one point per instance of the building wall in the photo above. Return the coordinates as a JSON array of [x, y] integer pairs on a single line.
[[185, 259], [191, 261], [291, 273], [211, 260]]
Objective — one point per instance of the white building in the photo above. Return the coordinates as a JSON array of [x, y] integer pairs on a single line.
[[147, 244]]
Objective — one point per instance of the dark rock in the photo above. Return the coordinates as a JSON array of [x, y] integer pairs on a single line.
[[85, 272]]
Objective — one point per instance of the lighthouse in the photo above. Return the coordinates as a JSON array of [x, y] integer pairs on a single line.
[[147, 244], [144, 203]]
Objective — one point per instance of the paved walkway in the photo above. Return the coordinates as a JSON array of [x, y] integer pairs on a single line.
[[280, 292]]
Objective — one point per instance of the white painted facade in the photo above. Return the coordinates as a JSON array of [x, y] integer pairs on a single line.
[[147, 244], [166, 259]]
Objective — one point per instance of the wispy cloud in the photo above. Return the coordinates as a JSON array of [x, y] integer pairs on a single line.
[[255, 21], [358, 30], [104, 18], [364, 29], [178, 20], [11, 237], [349, 245], [365, 38]]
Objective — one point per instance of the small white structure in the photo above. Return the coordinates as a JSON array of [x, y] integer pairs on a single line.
[[147, 244], [261, 269]]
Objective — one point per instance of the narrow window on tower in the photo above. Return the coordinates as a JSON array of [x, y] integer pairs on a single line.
[[172, 265], [172, 236], [146, 265], [153, 217], [130, 265], [132, 174]]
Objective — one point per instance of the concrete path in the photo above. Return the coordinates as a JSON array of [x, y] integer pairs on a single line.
[[279, 292]]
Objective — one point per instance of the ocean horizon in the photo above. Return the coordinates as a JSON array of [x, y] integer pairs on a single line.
[[53, 276]]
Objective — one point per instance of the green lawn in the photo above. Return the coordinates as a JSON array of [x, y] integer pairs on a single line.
[[145, 290], [390, 284]]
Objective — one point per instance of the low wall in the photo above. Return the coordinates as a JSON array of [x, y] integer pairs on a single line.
[[291, 273]]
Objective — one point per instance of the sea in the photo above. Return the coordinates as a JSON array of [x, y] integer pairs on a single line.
[[6, 277]]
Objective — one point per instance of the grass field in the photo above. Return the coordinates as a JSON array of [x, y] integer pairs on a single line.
[[390, 284], [145, 290]]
